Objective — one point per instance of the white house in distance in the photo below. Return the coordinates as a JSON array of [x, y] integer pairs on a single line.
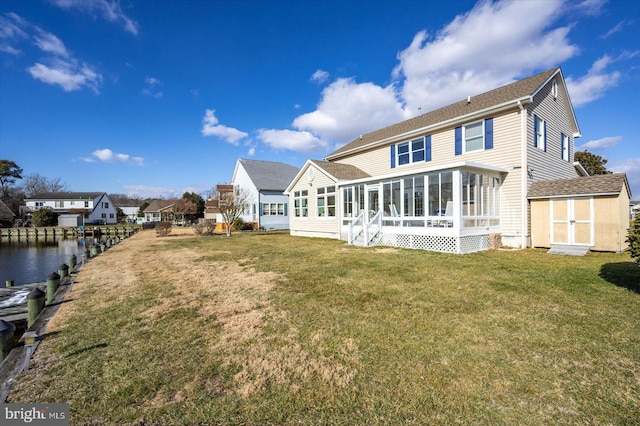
[[95, 207], [264, 183], [455, 179]]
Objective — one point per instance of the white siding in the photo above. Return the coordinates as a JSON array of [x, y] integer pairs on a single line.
[[241, 180], [327, 227]]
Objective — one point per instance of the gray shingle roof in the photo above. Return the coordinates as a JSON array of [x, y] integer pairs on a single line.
[[501, 95], [341, 171], [66, 196], [269, 175], [157, 205], [587, 185]]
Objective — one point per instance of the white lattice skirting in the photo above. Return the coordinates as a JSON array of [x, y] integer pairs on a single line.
[[457, 245]]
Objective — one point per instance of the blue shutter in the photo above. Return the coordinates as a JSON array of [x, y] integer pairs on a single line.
[[535, 131], [393, 156], [260, 209], [458, 140], [544, 136], [427, 148], [285, 209], [488, 133]]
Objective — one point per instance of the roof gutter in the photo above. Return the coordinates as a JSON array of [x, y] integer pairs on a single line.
[[434, 127]]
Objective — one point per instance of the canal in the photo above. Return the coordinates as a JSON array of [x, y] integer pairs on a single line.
[[29, 261]]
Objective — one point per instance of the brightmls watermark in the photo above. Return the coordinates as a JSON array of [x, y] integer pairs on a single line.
[[35, 414]]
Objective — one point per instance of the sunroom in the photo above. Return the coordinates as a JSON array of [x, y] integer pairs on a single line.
[[455, 209]]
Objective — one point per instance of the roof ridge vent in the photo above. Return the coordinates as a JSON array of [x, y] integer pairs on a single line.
[[468, 100]]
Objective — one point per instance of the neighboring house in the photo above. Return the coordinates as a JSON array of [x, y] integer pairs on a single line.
[[264, 182], [634, 207], [589, 211], [159, 211], [95, 207], [454, 180]]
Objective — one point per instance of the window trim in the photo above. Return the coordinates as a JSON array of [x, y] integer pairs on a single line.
[[539, 133], [324, 194], [399, 153], [564, 147], [301, 203], [464, 137]]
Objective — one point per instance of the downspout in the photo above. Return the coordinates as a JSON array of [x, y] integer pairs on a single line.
[[524, 172]]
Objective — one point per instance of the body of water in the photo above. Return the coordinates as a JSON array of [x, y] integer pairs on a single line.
[[29, 261]]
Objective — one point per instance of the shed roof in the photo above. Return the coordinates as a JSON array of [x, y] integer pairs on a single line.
[[586, 185], [493, 98], [269, 175]]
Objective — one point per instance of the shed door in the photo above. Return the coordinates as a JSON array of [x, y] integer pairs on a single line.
[[572, 221]]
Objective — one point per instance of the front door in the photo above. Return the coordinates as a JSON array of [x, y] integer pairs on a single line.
[[373, 201], [572, 221]]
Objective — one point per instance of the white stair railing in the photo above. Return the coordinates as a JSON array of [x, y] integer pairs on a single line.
[[356, 227]]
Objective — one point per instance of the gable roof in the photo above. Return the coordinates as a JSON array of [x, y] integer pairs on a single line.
[[66, 196], [268, 175], [341, 171], [610, 184], [158, 205], [336, 171], [508, 95]]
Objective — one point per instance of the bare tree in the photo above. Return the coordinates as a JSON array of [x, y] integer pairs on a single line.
[[230, 202], [184, 207], [37, 184]]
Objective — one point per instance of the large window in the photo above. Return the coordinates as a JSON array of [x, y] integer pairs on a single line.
[[301, 203], [273, 209], [353, 201], [326, 201], [473, 137], [480, 200], [391, 199]]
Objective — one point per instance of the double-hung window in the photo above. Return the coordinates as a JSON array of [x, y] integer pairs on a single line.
[[564, 139], [473, 137], [326, 201], [540, 133], [301, 203]]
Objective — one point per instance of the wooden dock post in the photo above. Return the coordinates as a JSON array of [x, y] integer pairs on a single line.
[[53, 282], [9, 283], [63, 270], [7, 330], [73, 260], [35, 305]]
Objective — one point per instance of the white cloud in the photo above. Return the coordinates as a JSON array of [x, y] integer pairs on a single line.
[[252, 151], [591, 7], [298, 141], [109, 10], [615, 29], [348, 109], [464, 57], [608, 142], [67, 74], [631, 167], [149, 191], [151, 88], [592, 85], [320, 76], [49, 43], [108, 156], [12, 30], [210, 127]]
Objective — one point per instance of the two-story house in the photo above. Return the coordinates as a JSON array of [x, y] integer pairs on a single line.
[[454, 179], [95, 207], [264, 183]]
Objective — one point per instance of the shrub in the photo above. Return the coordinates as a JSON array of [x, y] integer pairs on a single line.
[[44, 217], [163, 228], [633, 239]]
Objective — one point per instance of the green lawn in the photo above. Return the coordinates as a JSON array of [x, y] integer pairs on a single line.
[[271, 329]]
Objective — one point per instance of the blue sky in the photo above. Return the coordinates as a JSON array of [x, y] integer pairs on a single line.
[[155, 98]]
